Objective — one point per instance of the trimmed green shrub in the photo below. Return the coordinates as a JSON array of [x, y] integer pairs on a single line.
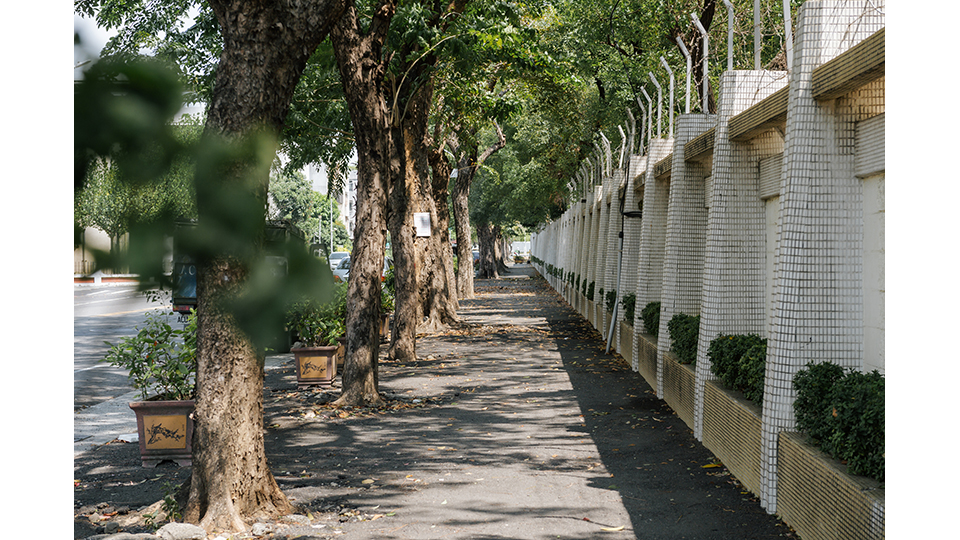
[[753, 366], [651, 318], [846, 413], [629, 303], [611, 300], [858, 434], [684, 331], [739, 362], [601, 296], [812, 406], [590, 290]]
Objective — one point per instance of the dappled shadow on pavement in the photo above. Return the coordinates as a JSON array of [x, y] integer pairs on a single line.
[[516, 425]]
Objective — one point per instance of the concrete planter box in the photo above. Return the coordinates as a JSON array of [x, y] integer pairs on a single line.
[[820, 500], [316, 366], [731, 430], [647, 358], [626, 342], [165, 430], [678, 384]]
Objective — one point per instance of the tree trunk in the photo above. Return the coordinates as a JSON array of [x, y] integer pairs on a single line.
[[503, 250], [438, 289], [487, 239], [265, 49], [461, 218], [406, 316], [467, 169], [362, 67], [423, 294]]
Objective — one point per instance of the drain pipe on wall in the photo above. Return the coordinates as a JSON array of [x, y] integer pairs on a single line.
[[616, 306]]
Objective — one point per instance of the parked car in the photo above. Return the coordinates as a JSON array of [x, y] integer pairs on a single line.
[[336, 257], [342, 271]]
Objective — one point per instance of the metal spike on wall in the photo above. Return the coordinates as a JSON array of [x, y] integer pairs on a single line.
[[686, 54], [705, 99], [659, 100], [663, 62]]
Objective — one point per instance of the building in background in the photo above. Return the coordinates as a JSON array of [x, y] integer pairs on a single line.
[[347, 198]]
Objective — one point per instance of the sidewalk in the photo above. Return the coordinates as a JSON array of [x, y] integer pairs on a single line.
[[518, 426]]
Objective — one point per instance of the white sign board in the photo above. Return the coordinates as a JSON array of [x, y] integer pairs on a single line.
[[421, 221]]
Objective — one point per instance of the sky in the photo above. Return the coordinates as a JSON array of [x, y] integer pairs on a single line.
[[92, 40]]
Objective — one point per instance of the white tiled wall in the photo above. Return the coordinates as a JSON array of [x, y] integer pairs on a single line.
[[782, 235]]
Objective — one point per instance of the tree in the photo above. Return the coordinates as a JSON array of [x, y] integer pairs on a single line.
[[292, 198], [467, 167], [104, 203], [362, 61], [265, 49], [116, 204], [426, 298]]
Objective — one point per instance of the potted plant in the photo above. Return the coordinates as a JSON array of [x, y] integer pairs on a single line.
[[161, 361], [318, 327]]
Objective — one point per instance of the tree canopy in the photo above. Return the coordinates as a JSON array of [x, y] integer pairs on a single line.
[[561, 72], [292, 198]]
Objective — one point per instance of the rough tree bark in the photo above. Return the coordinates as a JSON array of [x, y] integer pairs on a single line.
[[423, 295], [265, 50], [467, 167], [438, 291], [503, 251], [487, 241], [406, 315], [362, 64]]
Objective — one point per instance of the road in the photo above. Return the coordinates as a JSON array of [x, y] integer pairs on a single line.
[[104, 313]]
